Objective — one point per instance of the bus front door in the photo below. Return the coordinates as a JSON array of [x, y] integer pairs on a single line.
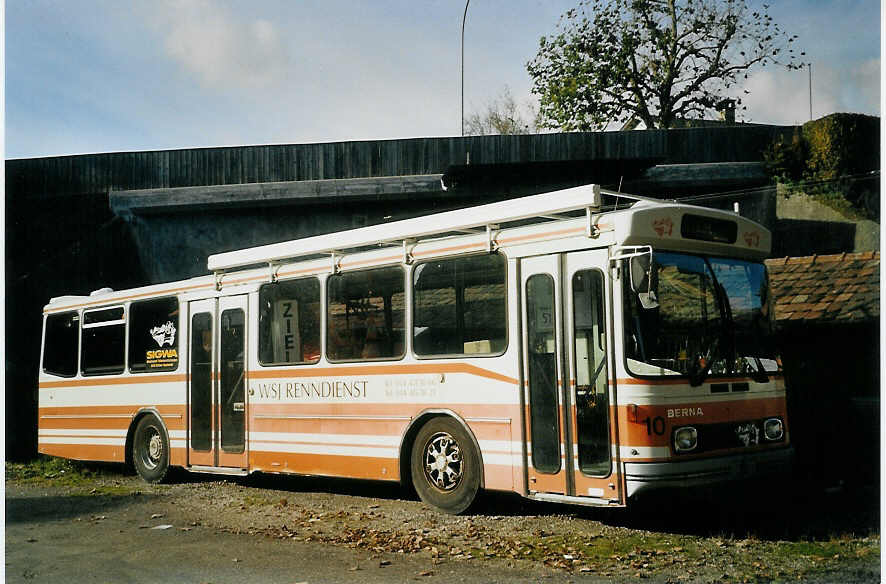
[[566, 377], [217, 387]]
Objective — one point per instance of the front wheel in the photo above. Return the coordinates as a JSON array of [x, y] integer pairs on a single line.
[[445, 466], [150, 450]]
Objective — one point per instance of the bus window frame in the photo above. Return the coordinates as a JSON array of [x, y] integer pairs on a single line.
[[83, 326], [608, 337], [321, 285], [128, 316], [325, 290], [507, 324], [625, 326], [79, 315]]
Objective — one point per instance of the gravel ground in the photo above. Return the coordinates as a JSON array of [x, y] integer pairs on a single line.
[[374, 531]]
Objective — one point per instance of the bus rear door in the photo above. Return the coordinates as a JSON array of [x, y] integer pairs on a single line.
[[217, 388]]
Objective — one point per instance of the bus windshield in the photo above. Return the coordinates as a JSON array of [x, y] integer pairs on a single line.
[[708, 316]]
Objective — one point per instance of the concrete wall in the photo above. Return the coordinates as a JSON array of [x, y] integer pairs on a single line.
[[806, 227]]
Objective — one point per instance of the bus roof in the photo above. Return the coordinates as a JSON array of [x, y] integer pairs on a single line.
[[525, 226], [648, 219], [438, 224]]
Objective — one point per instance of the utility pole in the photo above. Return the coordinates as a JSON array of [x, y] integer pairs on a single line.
[[463, 18]]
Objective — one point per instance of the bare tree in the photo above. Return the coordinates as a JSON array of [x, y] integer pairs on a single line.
[[503, 115]]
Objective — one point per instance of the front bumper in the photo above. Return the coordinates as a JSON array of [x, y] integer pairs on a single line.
[[643, 477]]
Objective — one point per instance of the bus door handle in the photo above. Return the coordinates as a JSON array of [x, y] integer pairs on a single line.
[[239, 407]]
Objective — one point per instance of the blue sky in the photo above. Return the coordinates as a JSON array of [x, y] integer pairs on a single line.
[[101, 76]]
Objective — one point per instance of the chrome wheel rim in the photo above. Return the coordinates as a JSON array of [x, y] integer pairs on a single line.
[[443, 463], [153, 448]]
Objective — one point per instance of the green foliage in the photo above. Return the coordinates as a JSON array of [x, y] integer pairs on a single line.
[[652, 61], [785, 160], [841, 144], [832, 159]]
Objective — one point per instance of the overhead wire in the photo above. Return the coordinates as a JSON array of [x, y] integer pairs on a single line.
[[744, 193]]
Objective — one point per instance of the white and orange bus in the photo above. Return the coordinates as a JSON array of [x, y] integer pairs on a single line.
[[549, 346]]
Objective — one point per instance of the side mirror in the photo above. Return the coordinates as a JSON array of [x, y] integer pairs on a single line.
[[641, 280]]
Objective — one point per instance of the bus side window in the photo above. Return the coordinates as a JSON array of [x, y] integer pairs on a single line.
[[460, 306], [104, 341], [365, 315], [153, 335], [60, 344], [289, 322]]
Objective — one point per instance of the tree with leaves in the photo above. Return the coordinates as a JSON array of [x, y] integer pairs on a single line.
[[652, 61], [502, 116]]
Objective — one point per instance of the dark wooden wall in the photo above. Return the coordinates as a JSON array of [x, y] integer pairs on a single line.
[[97, 173]]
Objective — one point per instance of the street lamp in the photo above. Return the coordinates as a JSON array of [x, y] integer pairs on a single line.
[[810, 89], [463, 18]]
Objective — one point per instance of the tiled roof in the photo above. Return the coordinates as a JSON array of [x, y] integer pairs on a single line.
[[843, 288]]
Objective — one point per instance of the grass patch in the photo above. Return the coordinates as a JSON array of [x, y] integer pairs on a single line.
[[56, 471]]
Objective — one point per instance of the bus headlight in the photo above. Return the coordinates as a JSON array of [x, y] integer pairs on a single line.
[[685, 439], [773, 429]]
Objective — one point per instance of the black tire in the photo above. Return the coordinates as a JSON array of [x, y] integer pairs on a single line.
[[150, 450], [445, 466]]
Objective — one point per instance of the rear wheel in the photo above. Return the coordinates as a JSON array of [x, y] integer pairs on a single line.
[[150, 450], [445, 465]]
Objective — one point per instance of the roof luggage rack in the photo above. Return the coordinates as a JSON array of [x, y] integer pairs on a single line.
[[493, 216]]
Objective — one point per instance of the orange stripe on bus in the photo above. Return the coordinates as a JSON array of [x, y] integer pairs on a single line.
[[132, 379], [439, 250], [130, 409], [407, 411], [381, 370], [383, 260], [507, 240], [308, 271], [84, 451], [105, 417], [222, 281], [682, 380], [359, 467]]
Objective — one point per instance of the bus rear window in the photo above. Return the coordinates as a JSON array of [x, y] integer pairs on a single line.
[[153, 335], [104, 340], [60, 344]]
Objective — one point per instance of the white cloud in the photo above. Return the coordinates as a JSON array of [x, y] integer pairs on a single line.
[[779, 96], [218, 47], [863, 89]]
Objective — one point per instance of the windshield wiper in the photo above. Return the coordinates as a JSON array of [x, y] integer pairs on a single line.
[[727, 331]]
